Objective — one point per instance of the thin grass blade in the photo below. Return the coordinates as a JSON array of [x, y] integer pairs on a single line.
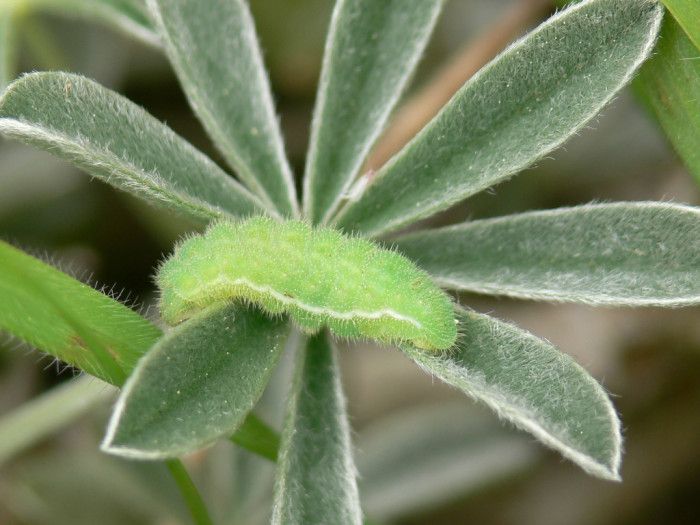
[[687, 14], [68, 319]]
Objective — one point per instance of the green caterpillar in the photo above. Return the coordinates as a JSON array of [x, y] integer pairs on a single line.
[[319, 277]]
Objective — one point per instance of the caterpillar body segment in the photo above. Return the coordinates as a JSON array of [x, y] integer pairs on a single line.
[[318, 276]]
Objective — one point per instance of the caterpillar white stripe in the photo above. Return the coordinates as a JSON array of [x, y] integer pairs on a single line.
[[317, 276]]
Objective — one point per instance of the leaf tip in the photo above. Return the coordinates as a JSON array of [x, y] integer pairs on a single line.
[[108, 444], [605, 466], [607, 472], [109, 447], [114, 445]]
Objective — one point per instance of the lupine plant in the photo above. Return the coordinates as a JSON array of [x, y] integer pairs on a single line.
[[280, 272]]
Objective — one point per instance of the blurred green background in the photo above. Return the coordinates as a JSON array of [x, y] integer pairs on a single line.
[[426, 455]]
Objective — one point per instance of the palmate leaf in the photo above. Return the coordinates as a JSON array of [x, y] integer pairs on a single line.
[[614, 254], [371, 51], [687, 14], [531, 384], [117, 141], [213, 47], [316, 475], [517, 109], [197, 384], [669, 84]]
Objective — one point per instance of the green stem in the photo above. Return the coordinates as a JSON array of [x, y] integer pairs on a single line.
[[189, 492], [257, 437]]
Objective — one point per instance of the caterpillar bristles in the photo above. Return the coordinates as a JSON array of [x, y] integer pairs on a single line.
[[318, 276]]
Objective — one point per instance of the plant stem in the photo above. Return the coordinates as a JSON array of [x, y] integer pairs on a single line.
[[189, 492], [256, 436]]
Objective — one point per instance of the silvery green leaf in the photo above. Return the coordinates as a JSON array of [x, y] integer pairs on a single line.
[[316, 475], [642, 253], [371, 51], [197, 384], [517, 109], [214, 49], [530, 383], [115, 140]]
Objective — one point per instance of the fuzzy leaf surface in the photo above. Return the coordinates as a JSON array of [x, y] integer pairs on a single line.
[[517, 109], [687, 14], [316, 477], [69, 319], [371, 51], [214, 49], [531, 384], [669, 84], [197, 384], [113, 139], [641, 254]]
